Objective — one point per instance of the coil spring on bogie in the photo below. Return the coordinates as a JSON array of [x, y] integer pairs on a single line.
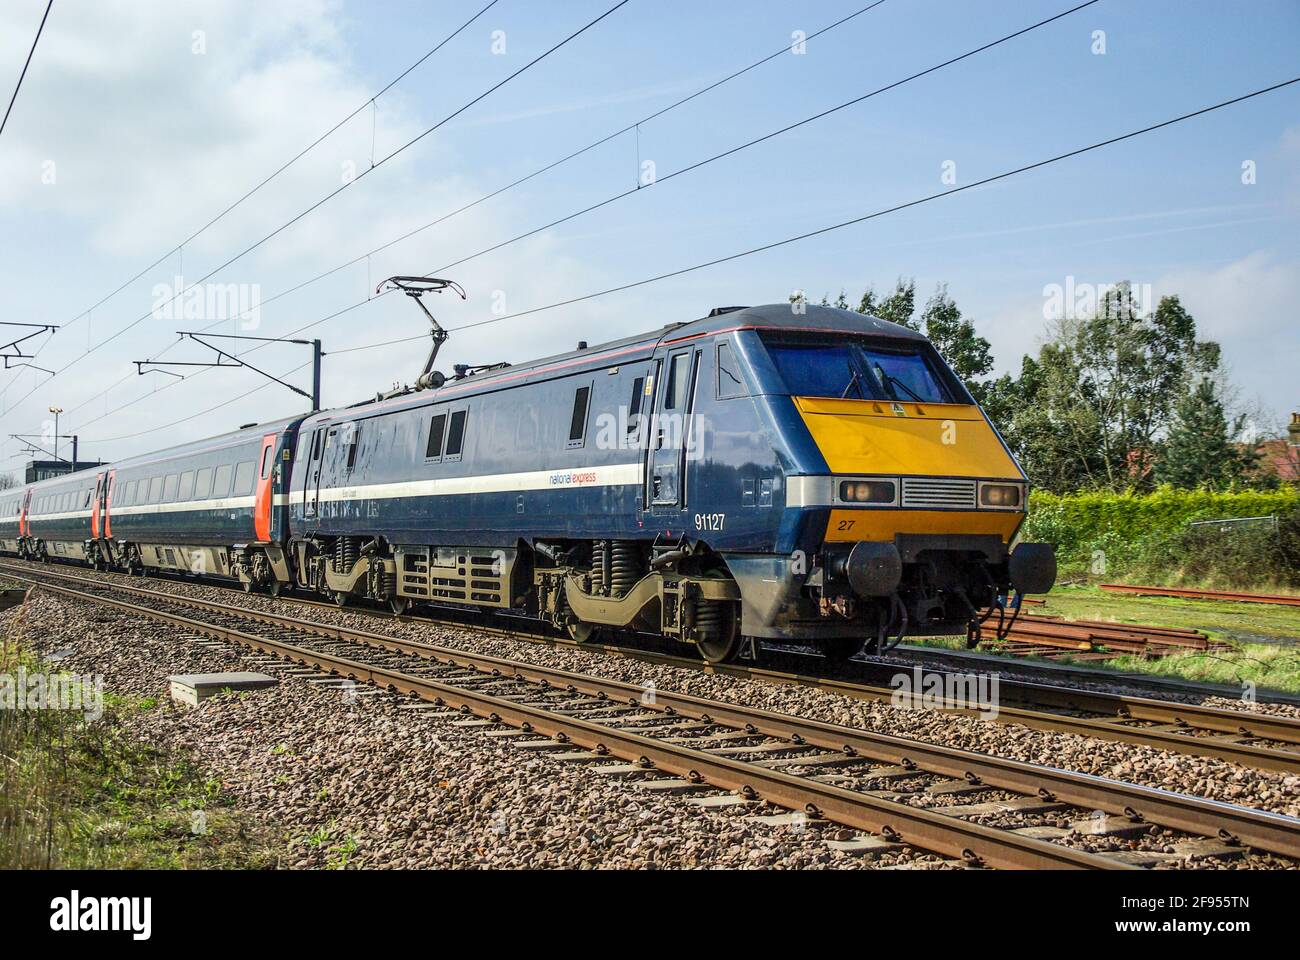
[[625, 567], [708, 619], [347, 550], [600, 566]]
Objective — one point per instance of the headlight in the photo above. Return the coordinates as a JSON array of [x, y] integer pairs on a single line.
[[867, 491], [999, 495]]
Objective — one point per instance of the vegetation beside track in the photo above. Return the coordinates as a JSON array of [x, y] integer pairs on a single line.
[[1265, 639], [1146, 537], [81, 791]]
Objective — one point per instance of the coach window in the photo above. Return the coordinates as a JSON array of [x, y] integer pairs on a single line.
[[203, 484], [155, 489], [730, 382], [578, 422], [437, 426], [128, 493], [354, 441], [456, 435], [268, 453], [169, 488], [678, 375], [187, 485], [243, 479], [221, 482]]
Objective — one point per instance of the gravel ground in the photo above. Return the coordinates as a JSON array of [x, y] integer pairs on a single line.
[[577, 822], [357, 780], [1198, 776]]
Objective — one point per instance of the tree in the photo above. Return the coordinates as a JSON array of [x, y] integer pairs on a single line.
[[7, 481], [898, 307], [1199, 451], [967, 352], [1104, 392]]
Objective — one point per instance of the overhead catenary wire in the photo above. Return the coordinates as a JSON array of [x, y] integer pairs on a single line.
[[785, 49], [26, 63], [283, 167], [690, 168], [334, 193], [754, 142], [994, 178]]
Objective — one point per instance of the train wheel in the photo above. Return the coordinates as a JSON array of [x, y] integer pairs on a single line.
[[720, 639], [275, 588], [249, 586], [341, 598], [579, 631], [398, 605]]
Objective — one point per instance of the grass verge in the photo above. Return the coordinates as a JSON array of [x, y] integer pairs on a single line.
[[78, 790]]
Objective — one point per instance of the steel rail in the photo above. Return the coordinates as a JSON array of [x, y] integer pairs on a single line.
[[1265, 831], [1115, 709], [1235, 597]]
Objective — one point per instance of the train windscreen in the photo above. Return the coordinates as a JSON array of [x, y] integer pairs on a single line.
[[853, 368]]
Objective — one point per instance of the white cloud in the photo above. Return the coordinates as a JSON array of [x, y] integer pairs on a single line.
[[152, 140], [1249, 306]]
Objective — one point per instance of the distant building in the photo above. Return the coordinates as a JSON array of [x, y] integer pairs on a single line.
[[1283, 456], [44, 469]]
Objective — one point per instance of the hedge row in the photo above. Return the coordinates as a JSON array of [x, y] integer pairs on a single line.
[[1078, 521]]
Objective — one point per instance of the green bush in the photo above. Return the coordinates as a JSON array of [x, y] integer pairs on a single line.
[[1220, 559], [1146, 537], [1077, 523]]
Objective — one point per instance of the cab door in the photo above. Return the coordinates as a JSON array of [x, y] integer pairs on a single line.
[[108, 503], [97, 506], [311, 475], [670, 430]]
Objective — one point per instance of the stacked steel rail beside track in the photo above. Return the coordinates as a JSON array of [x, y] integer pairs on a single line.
[[1234, 597]]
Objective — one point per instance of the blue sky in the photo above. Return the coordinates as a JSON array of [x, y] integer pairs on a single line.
[[149, 140]]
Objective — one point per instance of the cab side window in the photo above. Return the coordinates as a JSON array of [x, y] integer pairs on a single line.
[[731, 383]]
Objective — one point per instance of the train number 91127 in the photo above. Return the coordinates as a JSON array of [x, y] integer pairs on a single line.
[[710, 521]]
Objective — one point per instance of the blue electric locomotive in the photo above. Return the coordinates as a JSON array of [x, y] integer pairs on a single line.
[[787, 472]]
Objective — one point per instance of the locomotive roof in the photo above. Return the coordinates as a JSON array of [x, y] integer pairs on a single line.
[[772, 316], [783, 316], [780, 316]]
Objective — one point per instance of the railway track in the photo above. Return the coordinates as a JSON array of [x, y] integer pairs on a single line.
[[1275, 598], [1260, 740], [900, 791]]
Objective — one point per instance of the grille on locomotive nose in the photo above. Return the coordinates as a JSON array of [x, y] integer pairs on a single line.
[[928, 492]]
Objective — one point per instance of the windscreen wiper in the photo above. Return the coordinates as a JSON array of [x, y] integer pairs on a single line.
[[888, 378], [852, 382]]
